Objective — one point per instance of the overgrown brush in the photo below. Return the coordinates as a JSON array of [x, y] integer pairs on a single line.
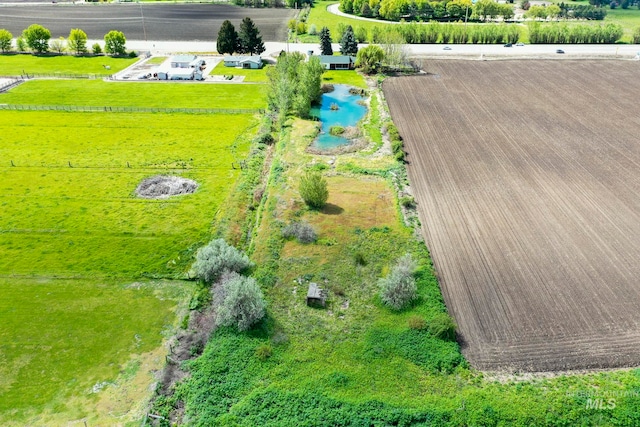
[[399, 289], [216, 257], [302, 231]]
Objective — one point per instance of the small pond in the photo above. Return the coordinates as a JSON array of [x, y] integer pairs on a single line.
[[349, 113]]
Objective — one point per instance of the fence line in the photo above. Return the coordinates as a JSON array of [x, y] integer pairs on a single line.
[[112, 109], [13, 81], [25, 75]]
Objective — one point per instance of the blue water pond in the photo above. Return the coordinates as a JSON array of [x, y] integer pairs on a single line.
[[349, 112]]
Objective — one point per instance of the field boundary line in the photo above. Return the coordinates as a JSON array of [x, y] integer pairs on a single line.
[[114, 109]]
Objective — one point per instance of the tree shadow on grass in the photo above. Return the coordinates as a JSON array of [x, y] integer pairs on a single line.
[[331, 209]]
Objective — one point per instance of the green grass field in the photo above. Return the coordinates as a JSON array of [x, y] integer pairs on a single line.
[[129, 94], [60, 338], [250, 76], [84, 223], [84, 219], [17, 64]]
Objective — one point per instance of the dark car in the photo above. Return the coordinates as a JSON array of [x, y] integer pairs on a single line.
[[559, 51], [508, 45]]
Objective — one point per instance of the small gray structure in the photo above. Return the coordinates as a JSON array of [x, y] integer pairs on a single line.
[[252, 62], [338, 62], [316, 296]]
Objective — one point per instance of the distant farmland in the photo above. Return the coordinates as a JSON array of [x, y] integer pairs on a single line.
[[527, 175], [145, 21]]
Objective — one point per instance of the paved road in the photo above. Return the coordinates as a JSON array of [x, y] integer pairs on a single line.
[[143, 21]]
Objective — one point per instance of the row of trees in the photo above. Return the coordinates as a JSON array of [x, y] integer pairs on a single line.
[[435, 32], [425, 10], [562, 33], [247, 41], [565, 11], [38, 39]]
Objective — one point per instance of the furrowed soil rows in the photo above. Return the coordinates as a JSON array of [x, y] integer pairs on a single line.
[[144, 21], [527, 175]]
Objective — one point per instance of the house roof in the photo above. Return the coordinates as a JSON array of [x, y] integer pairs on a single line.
[[337, 59], [255, 58], [183, 58]]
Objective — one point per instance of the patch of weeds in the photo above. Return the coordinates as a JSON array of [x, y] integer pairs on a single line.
[[408, 202], [359, 259], [264, 351], [443, 327], [417, 322]]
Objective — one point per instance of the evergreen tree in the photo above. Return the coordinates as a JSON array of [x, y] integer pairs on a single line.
[[325, 42], [250, 40], [227, 38], [348, 43]]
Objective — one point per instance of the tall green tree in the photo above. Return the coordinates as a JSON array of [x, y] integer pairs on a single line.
[[325, 42], [309, 87], [294, 85], [369, 58], [348, 43], [227, 38], [5, 40], [114, 43], [250, 40], [313, 189], [77, 41], [37, 38]]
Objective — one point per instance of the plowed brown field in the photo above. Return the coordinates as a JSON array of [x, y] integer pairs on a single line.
[[527, 177]]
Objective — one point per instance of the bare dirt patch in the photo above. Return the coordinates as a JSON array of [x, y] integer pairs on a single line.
[[164, 186], [527, 177]]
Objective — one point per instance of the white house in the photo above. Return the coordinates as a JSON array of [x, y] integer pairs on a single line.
[[253, 62]]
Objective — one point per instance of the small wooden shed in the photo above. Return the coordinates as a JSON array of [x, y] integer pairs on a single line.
[[316, 296]]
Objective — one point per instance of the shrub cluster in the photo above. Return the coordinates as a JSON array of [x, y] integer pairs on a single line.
[[302, 231], [636, 36], [397, 146], [398, 289], [443, 327], [237, 300], [240, 302], [215, 258]]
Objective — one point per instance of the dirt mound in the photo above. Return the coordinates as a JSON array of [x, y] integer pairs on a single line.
[[163, 187]]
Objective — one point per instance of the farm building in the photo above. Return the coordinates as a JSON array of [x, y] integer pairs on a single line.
[[338, 62], [183, 61], [253, 62], [179, 74]]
